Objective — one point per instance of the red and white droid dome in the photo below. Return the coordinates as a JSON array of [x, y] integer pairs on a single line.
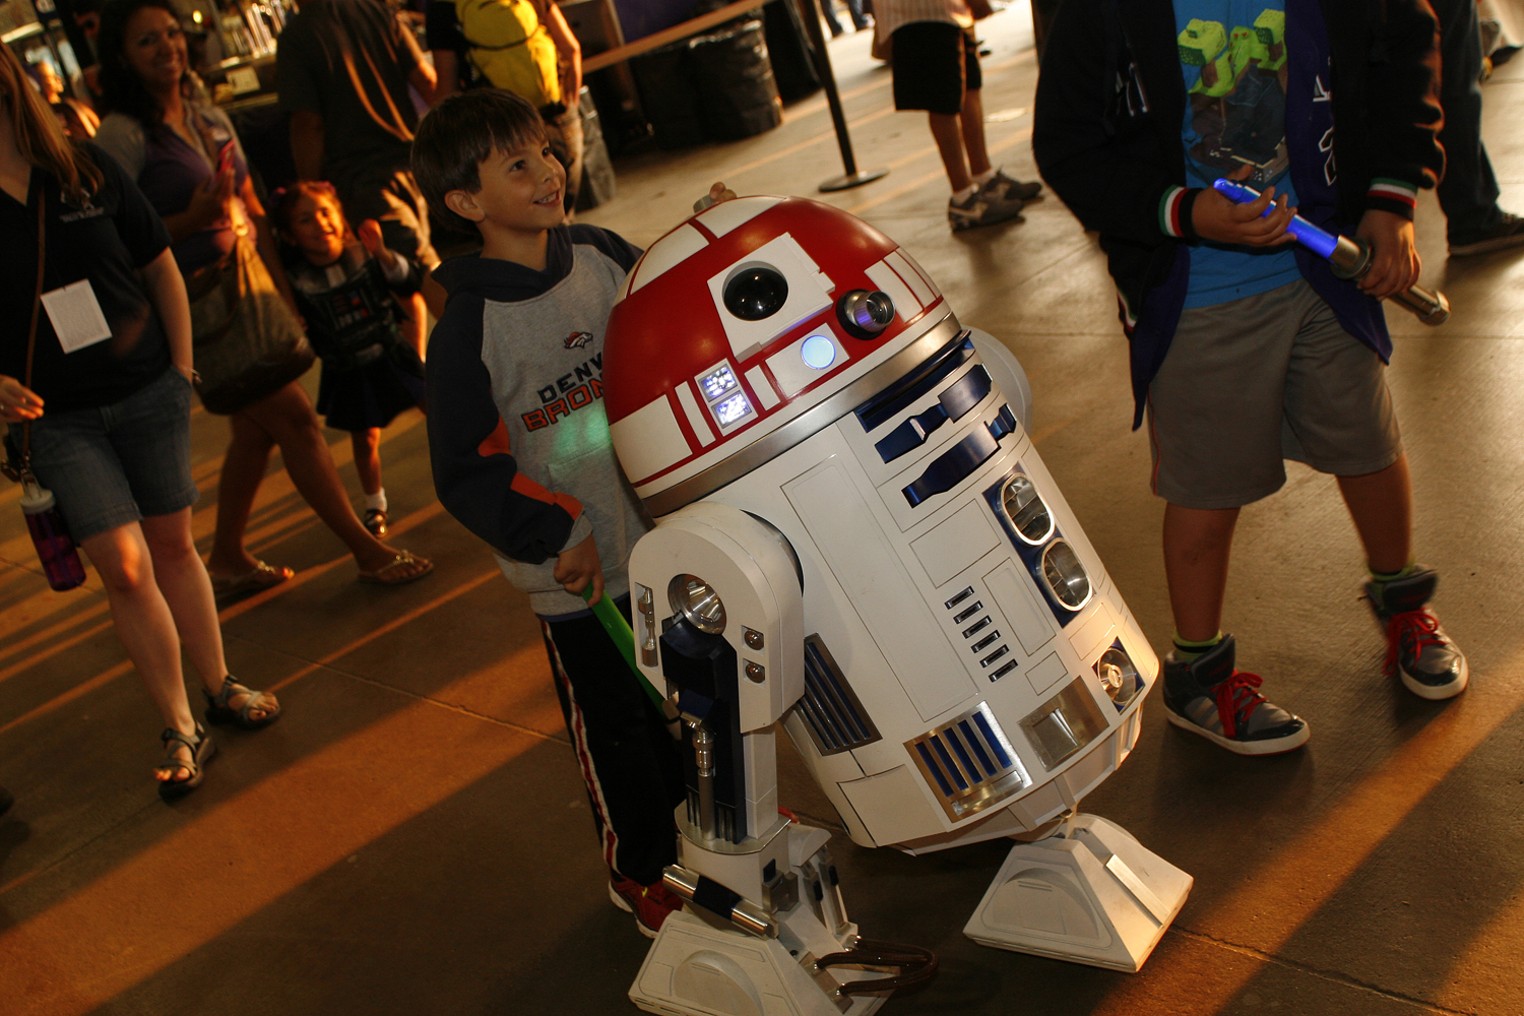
[[735, 325]]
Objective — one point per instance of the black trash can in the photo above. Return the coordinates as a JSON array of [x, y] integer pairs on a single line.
[[713, 87], [734, 77]]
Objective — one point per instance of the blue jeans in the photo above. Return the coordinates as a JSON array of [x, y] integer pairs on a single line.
[[1468, 193], [115, 465]]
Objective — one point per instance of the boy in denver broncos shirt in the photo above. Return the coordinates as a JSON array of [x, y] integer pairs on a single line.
[[522, 457]]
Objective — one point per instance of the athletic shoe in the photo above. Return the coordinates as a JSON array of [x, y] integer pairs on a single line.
[[1210, 697], [1417, 648], [1507, 232], [1001, 188], [649, 903], [978, 210]]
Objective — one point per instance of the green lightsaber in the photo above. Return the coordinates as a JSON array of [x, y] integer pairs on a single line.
[[624, 640]]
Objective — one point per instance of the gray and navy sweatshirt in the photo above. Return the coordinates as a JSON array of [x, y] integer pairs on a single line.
[[517, 433]]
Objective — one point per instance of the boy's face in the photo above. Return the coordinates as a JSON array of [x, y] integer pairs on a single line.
[[521, 189]]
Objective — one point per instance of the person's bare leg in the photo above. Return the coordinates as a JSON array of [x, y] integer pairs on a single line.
[[187, 590], [288, 418], [366, 445], [143, 622], [243, 470], [1197, 545], [971, 124], [415, 323], [1381, 505], [948, 135]]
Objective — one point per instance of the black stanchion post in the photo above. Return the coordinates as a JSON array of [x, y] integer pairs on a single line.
[[852, 177]]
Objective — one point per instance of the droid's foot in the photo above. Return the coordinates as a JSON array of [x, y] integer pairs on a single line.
[[1418, 651], [1208, 696]]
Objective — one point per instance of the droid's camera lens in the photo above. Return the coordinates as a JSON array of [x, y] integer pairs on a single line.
[[865, 315], [755, 292]]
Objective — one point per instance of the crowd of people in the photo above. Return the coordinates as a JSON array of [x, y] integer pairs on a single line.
[[161, 216]]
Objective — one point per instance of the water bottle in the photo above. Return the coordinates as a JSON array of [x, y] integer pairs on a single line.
[[55, 547]]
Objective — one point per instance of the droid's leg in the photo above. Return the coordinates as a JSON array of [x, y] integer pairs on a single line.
[[765, 929], [1088, 893]]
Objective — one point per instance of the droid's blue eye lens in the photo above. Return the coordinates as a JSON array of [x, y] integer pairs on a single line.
[[818, 352], [755, 293]]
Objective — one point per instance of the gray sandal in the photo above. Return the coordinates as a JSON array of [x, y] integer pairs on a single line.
[[202, 748], [219, 711]]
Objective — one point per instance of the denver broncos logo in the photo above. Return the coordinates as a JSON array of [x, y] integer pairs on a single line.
[[576, 340]]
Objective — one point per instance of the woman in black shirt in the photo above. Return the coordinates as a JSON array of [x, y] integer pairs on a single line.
[[105, 412]]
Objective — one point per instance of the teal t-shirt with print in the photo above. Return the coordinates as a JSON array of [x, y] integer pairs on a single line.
[[1233, 58]]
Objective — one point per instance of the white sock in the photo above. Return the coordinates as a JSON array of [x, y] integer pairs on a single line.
[[376, 500], [964, 194], [985, 177]]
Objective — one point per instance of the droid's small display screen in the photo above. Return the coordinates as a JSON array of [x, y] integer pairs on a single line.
[[732, 409], [717, 382]]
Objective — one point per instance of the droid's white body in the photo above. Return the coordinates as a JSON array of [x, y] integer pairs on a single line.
[[884, 565]]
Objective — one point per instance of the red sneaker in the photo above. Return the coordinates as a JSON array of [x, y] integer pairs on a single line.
[[649, 903]]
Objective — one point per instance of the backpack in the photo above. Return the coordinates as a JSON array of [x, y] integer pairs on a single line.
[[510, 48]]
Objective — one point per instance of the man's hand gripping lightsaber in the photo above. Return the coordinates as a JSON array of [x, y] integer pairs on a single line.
[[1349, 259]]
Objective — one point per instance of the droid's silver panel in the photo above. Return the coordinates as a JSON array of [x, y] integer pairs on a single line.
[[969, 763], [809, 423]]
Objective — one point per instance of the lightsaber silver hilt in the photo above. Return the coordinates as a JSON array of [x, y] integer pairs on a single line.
[[1351, 260]]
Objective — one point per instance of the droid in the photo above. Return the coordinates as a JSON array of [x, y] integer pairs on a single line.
[[857, 546]]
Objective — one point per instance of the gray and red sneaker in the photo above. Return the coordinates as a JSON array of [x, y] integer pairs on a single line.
[[1209, 696], [649, 903], [1417, 649]]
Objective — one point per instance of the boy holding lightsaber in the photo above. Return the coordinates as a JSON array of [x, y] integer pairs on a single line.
[[1246, 348]]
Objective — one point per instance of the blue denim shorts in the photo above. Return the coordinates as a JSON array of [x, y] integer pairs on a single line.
[[115, 465]]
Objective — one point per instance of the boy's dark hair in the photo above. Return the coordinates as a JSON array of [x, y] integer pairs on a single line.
[[455, 138]]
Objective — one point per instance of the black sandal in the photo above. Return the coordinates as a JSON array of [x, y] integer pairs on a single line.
[[218, 710], [202, 748]]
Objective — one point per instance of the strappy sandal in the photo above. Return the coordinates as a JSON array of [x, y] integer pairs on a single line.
[[218, 709], [405, 567], [202, 748]]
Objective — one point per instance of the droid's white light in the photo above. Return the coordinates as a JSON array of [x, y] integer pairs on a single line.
[[817, 352], [732, 409]]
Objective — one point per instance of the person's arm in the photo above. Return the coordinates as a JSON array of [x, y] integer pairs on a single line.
[[1096, 146], [166, 291], [568, 52], [446, 75], [208, 204], [307, 144], [420, 73], [476, 474], [1404, 117], [441, 26]]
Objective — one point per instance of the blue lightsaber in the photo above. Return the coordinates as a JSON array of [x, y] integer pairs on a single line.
[[1350, 259]]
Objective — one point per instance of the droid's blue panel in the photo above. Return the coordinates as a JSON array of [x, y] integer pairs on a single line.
[[914, 386], [955, 401], [956, 464], [969, 763]]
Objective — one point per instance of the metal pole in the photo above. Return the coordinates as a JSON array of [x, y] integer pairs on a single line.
[[853, 177]]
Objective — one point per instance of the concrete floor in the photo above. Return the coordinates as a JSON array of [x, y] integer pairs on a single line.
[[413, 838]]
